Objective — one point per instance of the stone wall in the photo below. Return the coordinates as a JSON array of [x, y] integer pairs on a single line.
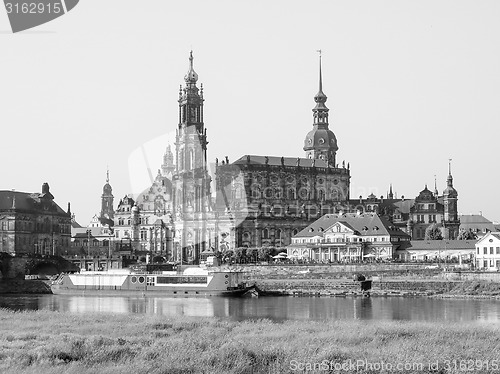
[[19, 286], [471, 275]]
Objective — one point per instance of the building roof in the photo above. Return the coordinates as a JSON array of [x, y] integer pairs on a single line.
[[25, 201], [278, 161], [476, 222], [443, 245], [366, 224], [95, 232]]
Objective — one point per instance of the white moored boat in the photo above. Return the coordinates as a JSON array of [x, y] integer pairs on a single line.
[[191, 282]]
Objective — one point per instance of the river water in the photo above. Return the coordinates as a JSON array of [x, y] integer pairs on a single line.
[[274, 308]]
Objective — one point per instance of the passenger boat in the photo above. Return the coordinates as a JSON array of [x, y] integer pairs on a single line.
[[192, 281]]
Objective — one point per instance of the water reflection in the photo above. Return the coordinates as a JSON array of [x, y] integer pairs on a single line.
[[275, 308]]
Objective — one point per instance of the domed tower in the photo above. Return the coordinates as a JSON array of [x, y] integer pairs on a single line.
[[107, 200], [451, 221], [320, 142]]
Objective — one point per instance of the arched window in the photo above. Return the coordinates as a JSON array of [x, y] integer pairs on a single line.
[[237, 192], [191, 159], [265, 234], [321, 195]]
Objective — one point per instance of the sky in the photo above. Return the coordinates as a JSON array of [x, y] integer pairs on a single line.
[[410, 84]]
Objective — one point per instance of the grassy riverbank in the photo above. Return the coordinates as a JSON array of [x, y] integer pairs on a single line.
[[51, 342]]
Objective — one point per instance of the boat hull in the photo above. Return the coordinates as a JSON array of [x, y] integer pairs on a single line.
[[223, 283], [57, 290]]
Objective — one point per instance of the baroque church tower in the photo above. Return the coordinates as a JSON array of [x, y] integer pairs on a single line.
[[107, 211], [191, 181], [320, 142], [451, 221]]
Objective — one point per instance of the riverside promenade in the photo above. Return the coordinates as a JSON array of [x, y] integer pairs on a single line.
[[387, 280]]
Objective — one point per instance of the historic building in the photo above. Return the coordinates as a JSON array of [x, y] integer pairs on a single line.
[[347, 237], [33, 223], [488, 252], [414, 216], [269, 199], [193, 216]]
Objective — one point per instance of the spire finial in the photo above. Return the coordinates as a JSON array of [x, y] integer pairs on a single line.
[[449, 166], [13, 199], [320, 75], [191, 76], [107, 174]]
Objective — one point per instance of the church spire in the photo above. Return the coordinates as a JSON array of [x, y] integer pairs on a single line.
[[320, 142], [191, 77], [450, 177], [390, 195], [320, 92]]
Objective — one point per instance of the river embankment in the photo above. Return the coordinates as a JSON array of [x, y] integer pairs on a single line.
[[22, 286], [387, 280], [54, 342]]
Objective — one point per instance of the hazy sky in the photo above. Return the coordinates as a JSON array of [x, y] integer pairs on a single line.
[[409, 85]]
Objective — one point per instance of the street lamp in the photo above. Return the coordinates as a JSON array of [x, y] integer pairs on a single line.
[[88, 242]]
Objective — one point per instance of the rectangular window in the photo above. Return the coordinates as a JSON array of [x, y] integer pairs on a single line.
[[498, 250], [485, 250], [491, 250], [477, 250], [485, 263]]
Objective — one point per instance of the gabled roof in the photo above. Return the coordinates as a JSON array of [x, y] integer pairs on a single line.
[[488, 236], [366, 224]]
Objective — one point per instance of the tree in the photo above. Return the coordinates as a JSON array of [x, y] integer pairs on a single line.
[[264, 253], [433, 232], [467, 235], [252, 254], [240, 254]]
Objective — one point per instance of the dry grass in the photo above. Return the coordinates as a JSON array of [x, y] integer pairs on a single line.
[[52, 342]]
